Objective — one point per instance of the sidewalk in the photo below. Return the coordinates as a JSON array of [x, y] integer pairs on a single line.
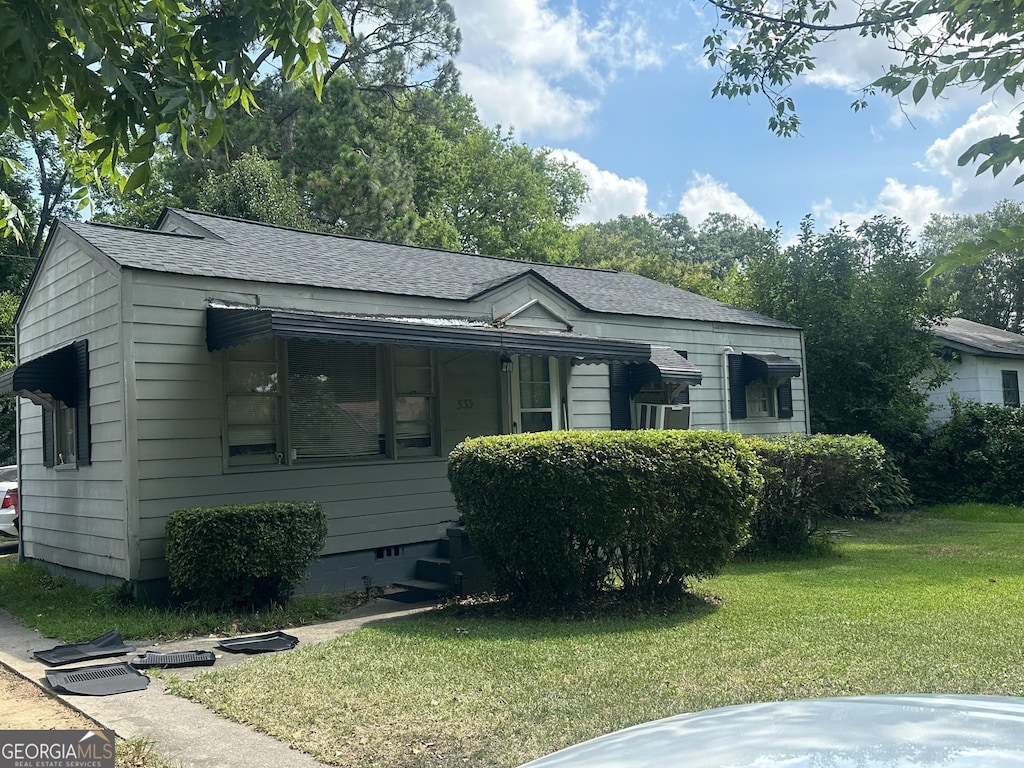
[[183, 732]]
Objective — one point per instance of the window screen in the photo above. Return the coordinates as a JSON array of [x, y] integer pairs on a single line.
[[253, 393], [333, 400], [414, 401], [535, 407], [1011, 389]]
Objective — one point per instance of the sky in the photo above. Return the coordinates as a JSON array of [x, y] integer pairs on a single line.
[[621, 89]]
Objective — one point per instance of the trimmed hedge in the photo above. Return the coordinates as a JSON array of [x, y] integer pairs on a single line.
[[245, 555], [557, 516], [977, 455], [809, 478]]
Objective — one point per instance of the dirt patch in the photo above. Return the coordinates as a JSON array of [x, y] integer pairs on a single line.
[[26, 707]]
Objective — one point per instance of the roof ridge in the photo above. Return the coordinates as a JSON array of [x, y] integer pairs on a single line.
[[126, 228], [432, 249]]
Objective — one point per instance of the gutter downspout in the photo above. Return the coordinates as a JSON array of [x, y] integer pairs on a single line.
[[726, 421]]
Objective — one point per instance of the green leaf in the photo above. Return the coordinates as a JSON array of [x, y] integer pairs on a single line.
[[139, 178], [920, 89]]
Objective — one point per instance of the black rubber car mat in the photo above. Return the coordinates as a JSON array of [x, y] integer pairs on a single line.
[[272, 641], [99, 680], [173, 659], [100, 647]]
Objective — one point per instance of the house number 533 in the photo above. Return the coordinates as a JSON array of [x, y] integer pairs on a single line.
[[464, 405]]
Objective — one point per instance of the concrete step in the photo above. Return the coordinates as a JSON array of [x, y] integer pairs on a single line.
[[433, 587], [434, 569]]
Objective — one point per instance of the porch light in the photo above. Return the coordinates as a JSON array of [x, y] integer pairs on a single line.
[[506, 364]]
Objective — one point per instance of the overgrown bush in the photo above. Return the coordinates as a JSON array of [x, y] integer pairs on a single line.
[[556, 516], [810, 478], [242, 555], [978, 455]]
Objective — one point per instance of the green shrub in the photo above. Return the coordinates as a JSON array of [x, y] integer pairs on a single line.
[[977, 456], [556, 516], [242, 555], [810, 478]]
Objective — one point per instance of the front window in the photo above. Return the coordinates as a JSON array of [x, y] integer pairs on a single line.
[[65, 435], [306, 401], [1011, 389], [760, 399]]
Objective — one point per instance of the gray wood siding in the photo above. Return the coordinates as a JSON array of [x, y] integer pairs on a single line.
[[179, 413], [703, 343], [77, 518]]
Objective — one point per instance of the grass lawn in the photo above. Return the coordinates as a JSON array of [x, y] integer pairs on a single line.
[[933, 603], [73, 613]]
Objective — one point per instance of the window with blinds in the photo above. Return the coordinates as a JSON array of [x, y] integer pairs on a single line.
[[414, 401], [253, 392], [333, 401]]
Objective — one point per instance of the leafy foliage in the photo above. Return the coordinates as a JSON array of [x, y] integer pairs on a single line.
[[976, 456], [245, 555], [808, 479], [862, 303], [111, 79], [253, 188], [988, 290], [556, 516], [763, 48]]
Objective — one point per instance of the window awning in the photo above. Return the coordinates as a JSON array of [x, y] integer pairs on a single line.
[[673, 367], [54, 375], [757, 365], [229, 327]]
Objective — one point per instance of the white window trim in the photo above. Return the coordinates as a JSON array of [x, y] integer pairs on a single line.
[[555, 379]]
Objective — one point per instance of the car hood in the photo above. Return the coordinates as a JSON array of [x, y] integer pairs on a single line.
[[864, 731]]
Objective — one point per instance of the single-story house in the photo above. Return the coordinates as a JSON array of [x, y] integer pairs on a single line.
[[213, 360], [986, 365]]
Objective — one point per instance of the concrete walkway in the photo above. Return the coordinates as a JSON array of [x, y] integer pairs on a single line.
[[183, 732]]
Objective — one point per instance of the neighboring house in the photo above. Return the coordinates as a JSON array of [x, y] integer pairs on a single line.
[[214, 361], [986, 363]]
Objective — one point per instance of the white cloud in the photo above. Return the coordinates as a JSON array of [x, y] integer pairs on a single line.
[[524, 100], [706, 194], [610, 195], [955, 189], [529, 66]]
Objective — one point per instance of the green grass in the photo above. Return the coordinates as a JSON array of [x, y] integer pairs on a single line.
[[927, 604], [73, 613]]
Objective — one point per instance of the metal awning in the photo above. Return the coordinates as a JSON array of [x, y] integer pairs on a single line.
[[54, 374], [229, 327], [674, 368], [758, 365]]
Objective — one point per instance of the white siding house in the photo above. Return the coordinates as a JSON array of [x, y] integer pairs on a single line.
[[986, 365], [213, 361]]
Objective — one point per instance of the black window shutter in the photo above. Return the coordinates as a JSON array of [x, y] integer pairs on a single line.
[[737, 388], [48, 417], [83, 434], [618, 396], [785, 398]]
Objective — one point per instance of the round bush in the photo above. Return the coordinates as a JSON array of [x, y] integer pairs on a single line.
[[245, 555], [556, 516]]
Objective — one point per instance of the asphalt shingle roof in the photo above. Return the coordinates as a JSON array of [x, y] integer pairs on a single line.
[[983, 338], [246, 250]]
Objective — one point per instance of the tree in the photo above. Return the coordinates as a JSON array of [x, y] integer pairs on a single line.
[[990, 291], [252, 188], [866, 316], [111, 79], [762, 47]]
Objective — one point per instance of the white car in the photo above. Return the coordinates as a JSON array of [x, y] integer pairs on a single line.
[[9, 504], [853, 732]]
